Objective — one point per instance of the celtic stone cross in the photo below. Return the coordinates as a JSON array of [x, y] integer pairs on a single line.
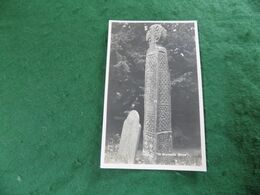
[[157, 134]]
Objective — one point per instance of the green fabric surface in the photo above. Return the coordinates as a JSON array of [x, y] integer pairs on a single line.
[[52, 73]]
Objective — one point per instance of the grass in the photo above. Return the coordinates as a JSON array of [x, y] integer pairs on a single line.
[[187, 157]]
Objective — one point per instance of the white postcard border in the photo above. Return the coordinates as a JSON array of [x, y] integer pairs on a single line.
[[203, 167]]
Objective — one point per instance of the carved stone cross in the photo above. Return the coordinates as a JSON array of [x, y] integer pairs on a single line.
[[157, 134]]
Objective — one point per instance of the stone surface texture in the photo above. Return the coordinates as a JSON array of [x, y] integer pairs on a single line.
[[157, 133], [129, 138]]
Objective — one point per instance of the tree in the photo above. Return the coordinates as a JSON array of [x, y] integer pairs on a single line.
[[126, 82]]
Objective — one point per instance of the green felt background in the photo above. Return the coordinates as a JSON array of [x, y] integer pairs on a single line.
[[52, 69]]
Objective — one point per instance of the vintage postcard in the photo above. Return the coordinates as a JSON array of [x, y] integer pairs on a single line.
[[153, 104]]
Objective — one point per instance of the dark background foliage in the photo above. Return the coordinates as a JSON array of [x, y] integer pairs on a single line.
[[126, 81]]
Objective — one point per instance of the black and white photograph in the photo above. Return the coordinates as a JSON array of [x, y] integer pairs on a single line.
[[153, 103]]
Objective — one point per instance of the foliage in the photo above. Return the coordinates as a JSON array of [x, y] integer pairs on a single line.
[[126, 82], [179, 157]]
